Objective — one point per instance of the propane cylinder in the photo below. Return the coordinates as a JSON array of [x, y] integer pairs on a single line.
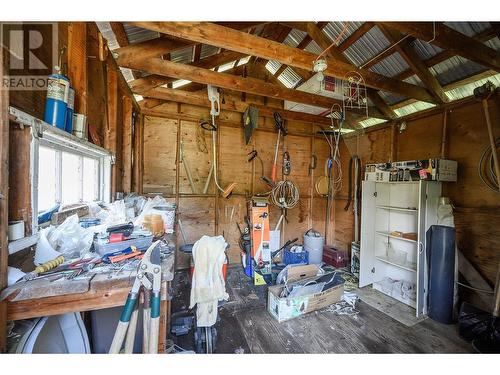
[[70, 111], [57, 100]]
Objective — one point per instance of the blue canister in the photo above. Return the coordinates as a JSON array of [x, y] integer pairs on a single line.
[[70, 111], [57, 100]]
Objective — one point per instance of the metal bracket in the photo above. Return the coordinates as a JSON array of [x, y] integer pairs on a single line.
[[113, 159]]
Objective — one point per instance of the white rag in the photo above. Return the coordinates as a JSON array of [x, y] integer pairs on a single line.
[[208, 286]]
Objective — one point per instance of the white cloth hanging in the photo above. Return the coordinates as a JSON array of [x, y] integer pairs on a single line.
[[208, 286]]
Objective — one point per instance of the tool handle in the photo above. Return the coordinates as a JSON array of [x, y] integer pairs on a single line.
[[121, 329], [130, 339], [273, 173], [154, 323]]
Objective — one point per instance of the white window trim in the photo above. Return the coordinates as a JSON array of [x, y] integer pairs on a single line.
[[50, 136]]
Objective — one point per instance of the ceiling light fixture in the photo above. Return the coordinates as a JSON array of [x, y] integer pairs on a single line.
[[319, 66]]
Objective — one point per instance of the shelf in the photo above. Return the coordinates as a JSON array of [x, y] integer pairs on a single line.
[[411, 303], [397, 182], [22, 243], [393, 208], [387, 234], [412, 267]]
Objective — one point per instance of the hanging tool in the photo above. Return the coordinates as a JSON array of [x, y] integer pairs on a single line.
[[483, 93], [312, 165], [186, 168], [213, 96], [278, 121], [287, 164], [254, 155], [149, 279], [250, 122], [42, 268]]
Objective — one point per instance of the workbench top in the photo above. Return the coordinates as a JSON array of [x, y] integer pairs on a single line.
[[102, 287]]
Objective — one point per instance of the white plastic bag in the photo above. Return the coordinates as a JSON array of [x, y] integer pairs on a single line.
[[70, 238]]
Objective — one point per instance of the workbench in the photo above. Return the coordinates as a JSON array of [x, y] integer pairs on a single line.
[[40, 297]]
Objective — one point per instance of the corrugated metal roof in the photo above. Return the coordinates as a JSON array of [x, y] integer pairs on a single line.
[[414, 80], [313, 48], [425, 50], [138, 34], [333, 29], [208, 50], [289, 77], [294, 37], [371, 121], [180, 83], [493, 43], [454, 69], [226, 66], [412, 108], [467, 90], [368, 46], [469, 28], [182, 55], [273, 66], [107, 33], [391, 98], [391, 66]]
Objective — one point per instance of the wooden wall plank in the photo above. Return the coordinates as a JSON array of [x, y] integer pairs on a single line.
[[4, 194], [127, 144], [77, 64]]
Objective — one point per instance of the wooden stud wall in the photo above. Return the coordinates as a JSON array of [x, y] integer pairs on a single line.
[[477, 217]]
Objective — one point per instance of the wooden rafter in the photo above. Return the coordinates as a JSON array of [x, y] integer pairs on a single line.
[[446, 54], [120, 34], [411, 57], [201, 99], [155, 80], [227, 81], [447, 38], [206, 32], [163, 45], [324, 42], [353, 38]]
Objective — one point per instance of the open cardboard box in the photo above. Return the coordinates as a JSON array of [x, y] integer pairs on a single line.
[[288, 308]]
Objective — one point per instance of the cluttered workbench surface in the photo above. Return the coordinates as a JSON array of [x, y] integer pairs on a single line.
[[102, 287]]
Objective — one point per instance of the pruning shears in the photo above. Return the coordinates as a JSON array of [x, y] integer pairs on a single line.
[[148, 280]]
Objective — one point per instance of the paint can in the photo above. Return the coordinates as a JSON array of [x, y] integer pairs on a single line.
[[56, 102], [16, 230], [80, 126], [313, 244]]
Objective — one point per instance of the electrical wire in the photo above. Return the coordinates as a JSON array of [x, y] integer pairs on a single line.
[[335, 42], [476, 289], [214, 151], [486, 168], [285, 194]]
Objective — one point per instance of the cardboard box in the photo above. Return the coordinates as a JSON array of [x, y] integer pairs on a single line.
[[283, 309]]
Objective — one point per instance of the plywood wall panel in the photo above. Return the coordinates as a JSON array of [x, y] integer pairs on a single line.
[[160, 138], [198, 218]]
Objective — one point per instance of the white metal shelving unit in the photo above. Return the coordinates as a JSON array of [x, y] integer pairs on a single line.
[[389, 207]]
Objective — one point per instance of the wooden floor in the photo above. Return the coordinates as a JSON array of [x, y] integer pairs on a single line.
[[246, 324]]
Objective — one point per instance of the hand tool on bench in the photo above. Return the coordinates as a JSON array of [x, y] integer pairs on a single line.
[[149, 279], [42, 268]]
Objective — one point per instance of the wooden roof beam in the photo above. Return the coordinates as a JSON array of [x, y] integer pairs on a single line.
[[482, 37], [447, 38], [206, 32], [324, 42], [358, 33], [156, 80], [201, 99], [227, 81], [411, 57]]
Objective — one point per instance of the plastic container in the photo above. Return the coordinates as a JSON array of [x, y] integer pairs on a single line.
[[102, 247], [313, 244], [167, 212], [290, 257], [56, 102], [396, 256]]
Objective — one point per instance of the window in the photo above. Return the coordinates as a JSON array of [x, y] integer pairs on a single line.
[[66, 178]]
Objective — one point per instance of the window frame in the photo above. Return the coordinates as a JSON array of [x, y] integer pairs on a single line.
[[43, 134]]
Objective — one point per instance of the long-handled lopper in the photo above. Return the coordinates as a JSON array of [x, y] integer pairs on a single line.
[[149, 279], [281, 131]]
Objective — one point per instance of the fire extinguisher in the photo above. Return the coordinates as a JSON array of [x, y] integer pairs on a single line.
[[56, 104]]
